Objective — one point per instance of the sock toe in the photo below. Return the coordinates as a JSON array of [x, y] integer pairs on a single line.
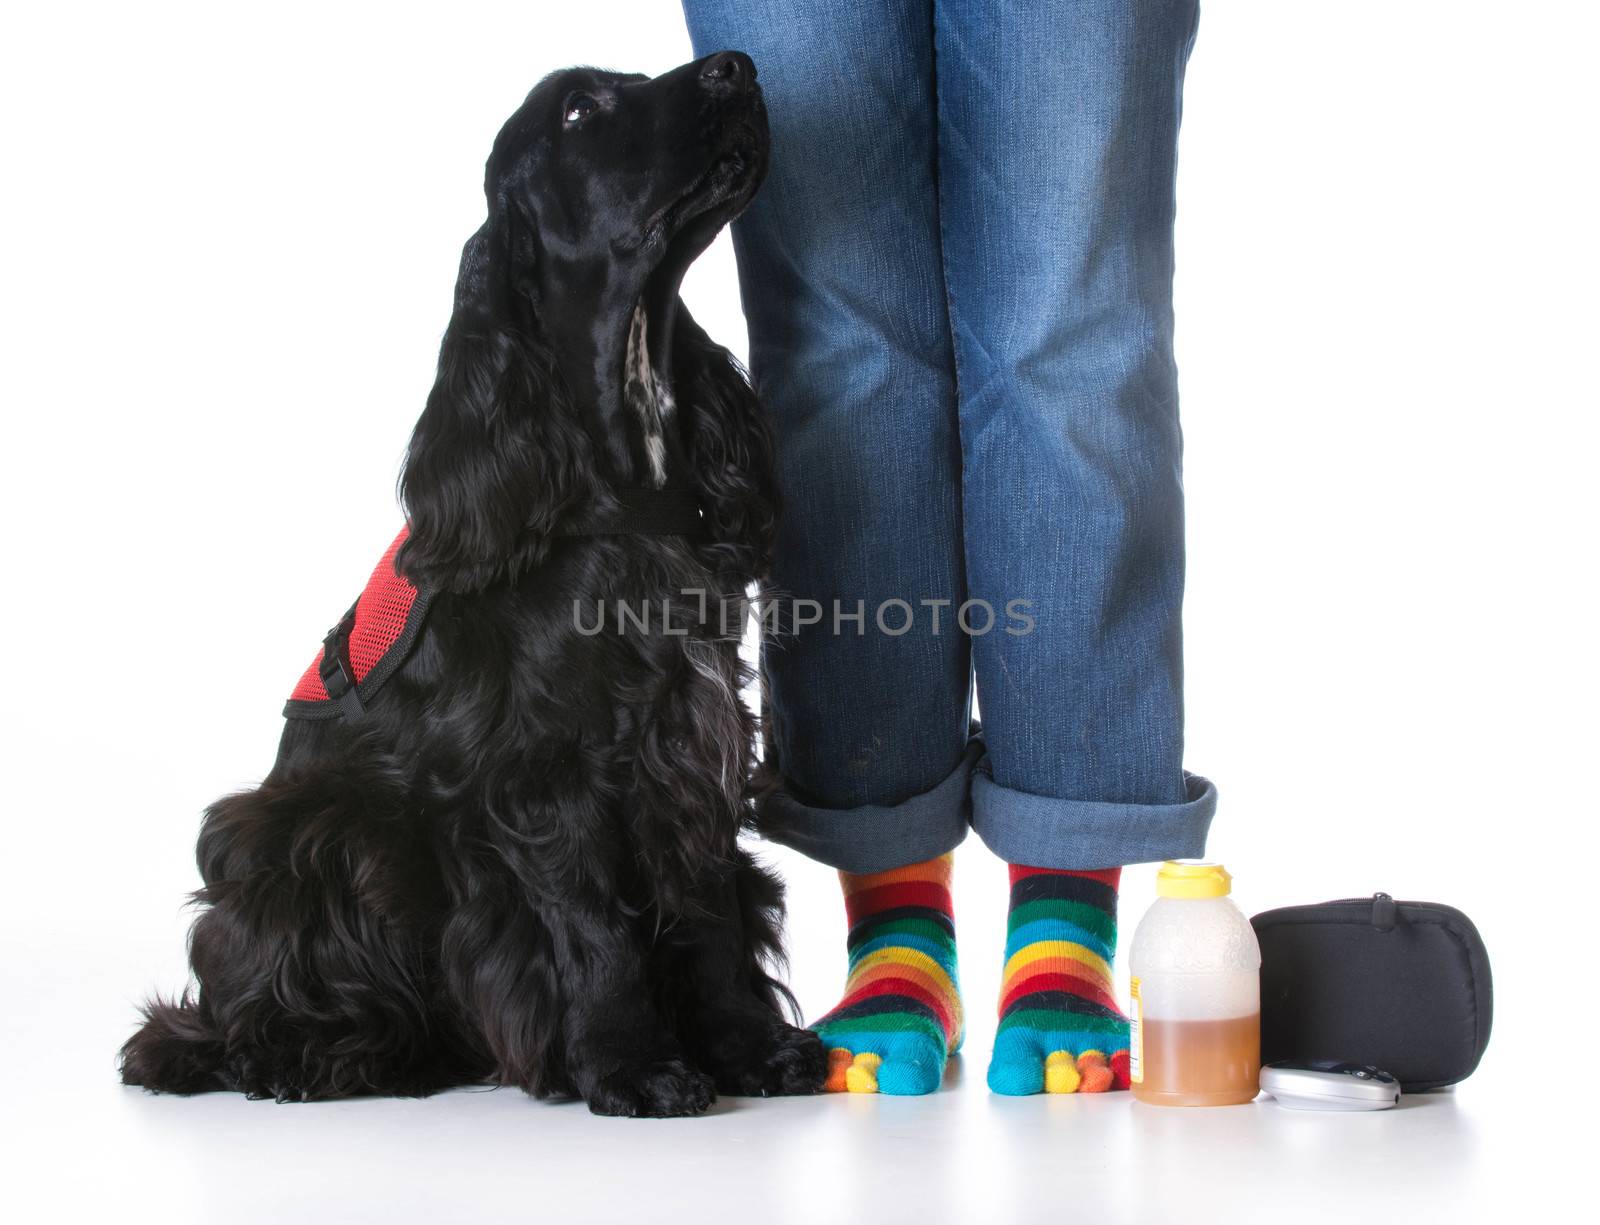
[[1016, 1069], [1061, 1073], [1096, 1078], [839, 1061], [1019, 1079], [911, 1067], [1120, 1079], [862, 1074]]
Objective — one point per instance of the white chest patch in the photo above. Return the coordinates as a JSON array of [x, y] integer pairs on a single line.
[[650, 399]]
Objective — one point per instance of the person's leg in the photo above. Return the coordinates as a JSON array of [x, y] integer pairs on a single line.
[[843, 289], [1058, 124]]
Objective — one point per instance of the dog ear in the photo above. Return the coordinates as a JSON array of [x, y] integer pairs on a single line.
[[497, 456], [732, 460]]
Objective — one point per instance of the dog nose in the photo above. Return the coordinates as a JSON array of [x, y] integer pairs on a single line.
[[728, 72]]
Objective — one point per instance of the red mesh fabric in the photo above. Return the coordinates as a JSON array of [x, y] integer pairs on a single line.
[[380, 616]]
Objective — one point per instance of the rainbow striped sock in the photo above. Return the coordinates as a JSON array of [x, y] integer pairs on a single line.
[[1060, 1028], [900, 1017]]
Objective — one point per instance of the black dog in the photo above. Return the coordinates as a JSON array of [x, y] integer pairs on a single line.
[[518, 862]]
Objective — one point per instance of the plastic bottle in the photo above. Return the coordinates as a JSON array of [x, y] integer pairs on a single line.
[[1196, 1008]]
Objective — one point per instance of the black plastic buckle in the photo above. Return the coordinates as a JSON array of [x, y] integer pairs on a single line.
[[338, 676]]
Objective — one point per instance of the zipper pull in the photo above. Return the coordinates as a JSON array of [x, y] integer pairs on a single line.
[[1383, 912]]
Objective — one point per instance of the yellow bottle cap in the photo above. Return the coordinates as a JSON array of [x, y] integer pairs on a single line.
[[1193, 879]]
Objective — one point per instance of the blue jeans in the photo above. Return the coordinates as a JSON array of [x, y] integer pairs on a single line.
[[958, 283]]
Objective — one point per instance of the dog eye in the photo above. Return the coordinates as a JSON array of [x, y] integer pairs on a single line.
[[578, 108]]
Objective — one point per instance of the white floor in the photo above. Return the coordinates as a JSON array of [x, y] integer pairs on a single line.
[[80, 1147], [960, 1155]]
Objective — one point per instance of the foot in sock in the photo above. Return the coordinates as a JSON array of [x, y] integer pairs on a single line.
[[1060, 1028], [900, 1018]]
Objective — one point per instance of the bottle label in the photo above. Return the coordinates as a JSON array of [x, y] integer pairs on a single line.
[[1135, 1034]]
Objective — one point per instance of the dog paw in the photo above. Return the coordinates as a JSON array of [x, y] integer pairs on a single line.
[[665, 1088], [786, 1062]]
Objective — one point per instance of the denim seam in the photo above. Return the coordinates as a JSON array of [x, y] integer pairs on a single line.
[[941, 203]]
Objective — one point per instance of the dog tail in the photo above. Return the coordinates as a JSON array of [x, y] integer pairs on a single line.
[[176, 1050]]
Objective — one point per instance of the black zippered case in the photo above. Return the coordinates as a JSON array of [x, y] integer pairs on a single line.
[[1403, 986]]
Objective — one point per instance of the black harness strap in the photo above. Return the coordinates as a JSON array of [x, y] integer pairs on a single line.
[[642, 512]]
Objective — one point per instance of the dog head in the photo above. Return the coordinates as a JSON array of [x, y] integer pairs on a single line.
[[600, 178], [570, 369]]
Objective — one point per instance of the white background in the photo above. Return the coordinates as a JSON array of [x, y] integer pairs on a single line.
[[229, 236]]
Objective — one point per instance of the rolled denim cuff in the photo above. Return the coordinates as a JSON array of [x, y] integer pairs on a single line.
[[1081, 834], [874, 837]]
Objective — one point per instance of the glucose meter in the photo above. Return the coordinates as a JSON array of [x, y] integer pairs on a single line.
[[1328, 1084]]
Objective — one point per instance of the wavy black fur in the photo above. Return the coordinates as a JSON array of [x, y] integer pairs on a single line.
[[520, 865]]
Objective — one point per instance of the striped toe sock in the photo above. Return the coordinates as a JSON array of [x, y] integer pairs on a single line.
[[900, 1017], [1060, 1028]]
